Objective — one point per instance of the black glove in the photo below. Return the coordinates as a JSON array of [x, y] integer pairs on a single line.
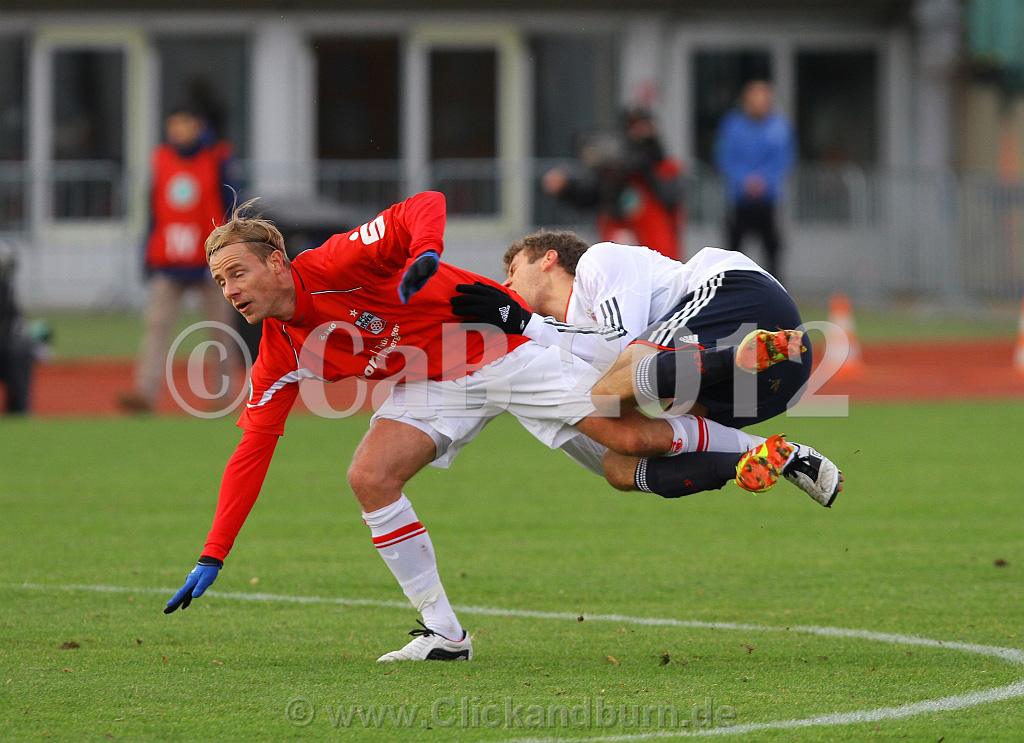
[[481, 302], [417, 275]]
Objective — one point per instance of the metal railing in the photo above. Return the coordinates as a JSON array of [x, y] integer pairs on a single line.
[[899, 232]]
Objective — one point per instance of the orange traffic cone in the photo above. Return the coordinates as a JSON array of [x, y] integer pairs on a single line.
[[1018, 354], [840, 314]]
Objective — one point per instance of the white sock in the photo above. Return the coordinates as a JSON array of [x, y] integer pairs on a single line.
[[405, 546], [693, 433]]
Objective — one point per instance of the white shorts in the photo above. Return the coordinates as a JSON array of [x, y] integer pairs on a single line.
[[586, 452], [545, 388]]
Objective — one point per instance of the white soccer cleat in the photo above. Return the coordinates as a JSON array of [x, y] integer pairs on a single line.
[[813, 473], [428, 645]]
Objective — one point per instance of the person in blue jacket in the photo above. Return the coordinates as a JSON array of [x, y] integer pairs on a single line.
[[754, 152]]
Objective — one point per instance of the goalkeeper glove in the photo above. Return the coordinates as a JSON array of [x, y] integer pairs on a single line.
[[417, 274], [488, 304], [202, 577]]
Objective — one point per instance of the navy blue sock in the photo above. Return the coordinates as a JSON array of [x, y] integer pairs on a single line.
[[681, 372], [686, 474]]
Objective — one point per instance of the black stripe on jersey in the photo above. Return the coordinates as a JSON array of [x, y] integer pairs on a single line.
[[606, 331], [607, 319], [613, 315]]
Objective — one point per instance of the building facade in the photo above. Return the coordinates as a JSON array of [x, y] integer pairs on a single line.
[[367, 103]]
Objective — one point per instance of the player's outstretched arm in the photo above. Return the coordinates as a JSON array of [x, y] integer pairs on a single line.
[[483, 303], [243, 478]]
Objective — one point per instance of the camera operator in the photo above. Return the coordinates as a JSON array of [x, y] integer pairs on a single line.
[[636, 189], [17, 349]]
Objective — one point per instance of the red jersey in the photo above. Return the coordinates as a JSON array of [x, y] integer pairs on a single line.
[[187, 203], [350, 322]]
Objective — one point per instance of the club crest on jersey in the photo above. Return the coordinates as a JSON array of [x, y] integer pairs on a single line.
[[369, 321]]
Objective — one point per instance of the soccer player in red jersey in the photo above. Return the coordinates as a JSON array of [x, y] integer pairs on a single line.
[[374, 303]]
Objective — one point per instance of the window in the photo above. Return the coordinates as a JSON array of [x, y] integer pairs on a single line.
[[464, 128], [12, 133], [12, 99], [88, 105], [357, 99], [837, 106], [463, 103], [574, 92], [837, 125], [358, 120], [88, 133]]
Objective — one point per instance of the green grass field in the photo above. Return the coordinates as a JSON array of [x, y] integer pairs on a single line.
[[910, 548]]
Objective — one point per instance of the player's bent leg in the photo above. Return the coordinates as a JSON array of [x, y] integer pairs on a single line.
[[587, 453], [762, 349], [631, 434], [389, 455], [684, 372], [636, 435], [686, 474], [617, 383], [619, 470]]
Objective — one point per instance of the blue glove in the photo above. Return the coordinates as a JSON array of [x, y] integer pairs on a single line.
[[202, 577], [417, 275]]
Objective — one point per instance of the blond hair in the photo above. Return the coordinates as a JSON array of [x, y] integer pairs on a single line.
[[568, 245], [259, 235]]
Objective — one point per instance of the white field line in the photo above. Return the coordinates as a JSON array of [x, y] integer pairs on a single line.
[[943, 704]]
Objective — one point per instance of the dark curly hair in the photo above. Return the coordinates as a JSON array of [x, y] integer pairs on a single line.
[[568, 245]]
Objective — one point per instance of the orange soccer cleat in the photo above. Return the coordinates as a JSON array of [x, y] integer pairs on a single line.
[[764, 348], [761, 467]]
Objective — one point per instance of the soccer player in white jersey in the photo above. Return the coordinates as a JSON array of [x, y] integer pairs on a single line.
[[712, 312]]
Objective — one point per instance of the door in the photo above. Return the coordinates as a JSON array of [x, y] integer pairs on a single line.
[[465, 132], [88, 137]]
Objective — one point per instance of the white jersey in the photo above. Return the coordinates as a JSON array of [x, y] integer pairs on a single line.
[[621, 290]]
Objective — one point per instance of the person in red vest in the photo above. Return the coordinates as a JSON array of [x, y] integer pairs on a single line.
[[190, 195], [636, 189]]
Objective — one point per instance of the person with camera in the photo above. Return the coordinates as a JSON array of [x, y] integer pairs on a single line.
[[20, 345], [636, 189]]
